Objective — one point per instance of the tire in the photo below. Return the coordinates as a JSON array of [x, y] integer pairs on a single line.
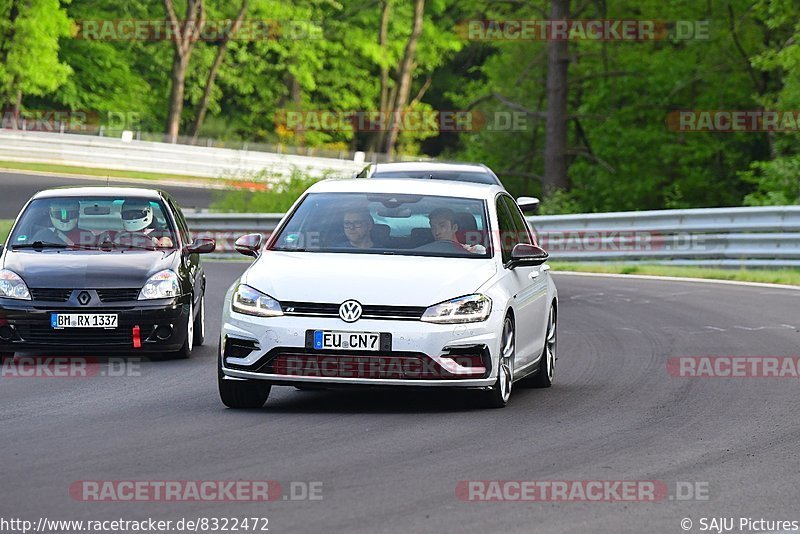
[[200, 324], [547, 364], [497, 396], [242, 394], [188, 345]]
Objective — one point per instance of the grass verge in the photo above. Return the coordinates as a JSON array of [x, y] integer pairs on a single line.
[[776, 276], [66, 169], [5, 227]]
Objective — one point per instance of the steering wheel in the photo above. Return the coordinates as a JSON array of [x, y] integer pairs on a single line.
[[442, 246]]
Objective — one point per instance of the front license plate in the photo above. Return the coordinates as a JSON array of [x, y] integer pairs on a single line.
[[83, 320], [346, 340]]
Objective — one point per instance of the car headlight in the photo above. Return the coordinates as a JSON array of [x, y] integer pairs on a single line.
[[469, 309], [12, 286], [253, 302], [162, 285]]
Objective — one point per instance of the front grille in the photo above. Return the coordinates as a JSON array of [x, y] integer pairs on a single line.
[[318, 309], [106, 295], [75, 337], [118, 295], [50, 295], [402, 366]]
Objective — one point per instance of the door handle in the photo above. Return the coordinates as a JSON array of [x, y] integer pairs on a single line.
[[544, 268], [533, 275]]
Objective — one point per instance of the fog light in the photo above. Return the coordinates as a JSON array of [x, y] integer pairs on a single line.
[[6, 333], [164, 332]]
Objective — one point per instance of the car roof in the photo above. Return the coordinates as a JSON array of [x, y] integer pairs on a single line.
[[102, 191], [404, 186], [430, 166]]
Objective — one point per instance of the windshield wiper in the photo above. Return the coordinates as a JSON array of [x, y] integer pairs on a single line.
[[39, 245]]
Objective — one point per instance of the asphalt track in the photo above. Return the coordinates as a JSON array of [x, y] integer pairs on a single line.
[[16, 189], [391, 461]]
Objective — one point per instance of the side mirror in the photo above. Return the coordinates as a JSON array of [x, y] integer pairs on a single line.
[[528, 204], [527, 255], [203, 245], [250, 245]]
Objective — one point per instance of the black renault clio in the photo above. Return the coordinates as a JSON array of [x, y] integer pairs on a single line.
[[92, 269]]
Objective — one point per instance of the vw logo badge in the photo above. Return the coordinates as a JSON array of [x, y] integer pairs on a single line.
[[350, 311], [84, 298]]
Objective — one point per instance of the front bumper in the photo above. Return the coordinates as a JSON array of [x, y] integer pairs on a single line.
[[31, 330], [280, 350]]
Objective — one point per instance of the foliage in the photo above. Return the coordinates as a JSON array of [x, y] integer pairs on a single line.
[[278, 199], [622, 156]]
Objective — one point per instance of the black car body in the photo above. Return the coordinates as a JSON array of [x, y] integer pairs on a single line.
[[87, 296]]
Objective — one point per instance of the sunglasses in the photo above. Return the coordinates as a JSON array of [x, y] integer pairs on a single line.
[[351, 225]]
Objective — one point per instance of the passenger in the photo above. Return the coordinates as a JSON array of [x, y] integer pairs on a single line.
[[444, 228], [358, 224]]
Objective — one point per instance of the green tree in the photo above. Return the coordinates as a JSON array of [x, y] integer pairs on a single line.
[[29, 43]]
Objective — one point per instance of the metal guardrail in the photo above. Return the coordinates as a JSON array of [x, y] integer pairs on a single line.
[[728, 237], [163, 158]]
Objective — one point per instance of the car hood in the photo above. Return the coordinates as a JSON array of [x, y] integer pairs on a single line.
[[87, 269], [367, 278]]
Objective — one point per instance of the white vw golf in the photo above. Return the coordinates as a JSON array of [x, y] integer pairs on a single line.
[[391, 283]]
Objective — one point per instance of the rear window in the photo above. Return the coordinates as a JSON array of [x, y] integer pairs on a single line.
[[472, 177]]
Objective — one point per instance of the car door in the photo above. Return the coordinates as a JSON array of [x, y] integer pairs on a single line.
[[530, 288], [189, 262]]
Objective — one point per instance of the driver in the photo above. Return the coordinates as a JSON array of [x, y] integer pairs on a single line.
[[444, 228], [357, 225], [64, 221], [137, 220]]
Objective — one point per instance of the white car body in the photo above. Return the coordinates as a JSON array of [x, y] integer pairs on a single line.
[[525, 292]]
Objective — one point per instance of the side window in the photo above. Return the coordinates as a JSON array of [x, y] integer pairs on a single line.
[[522, 235], [183, 228], [506, 230]]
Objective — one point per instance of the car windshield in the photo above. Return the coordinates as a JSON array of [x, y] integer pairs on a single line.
[[110, 223], [413, 225], [454, 176]]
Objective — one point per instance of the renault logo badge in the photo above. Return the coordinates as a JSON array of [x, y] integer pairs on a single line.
[[350, 311], [84, 298]]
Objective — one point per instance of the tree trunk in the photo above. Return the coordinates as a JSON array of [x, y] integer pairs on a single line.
[[184, 43], [404, 75], [178, 78], [383, 36], [555, 152], [212, 74]]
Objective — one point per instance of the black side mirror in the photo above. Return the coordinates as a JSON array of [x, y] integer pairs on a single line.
[[203, 245], [528, 204], [527, 255], [250, 245]]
